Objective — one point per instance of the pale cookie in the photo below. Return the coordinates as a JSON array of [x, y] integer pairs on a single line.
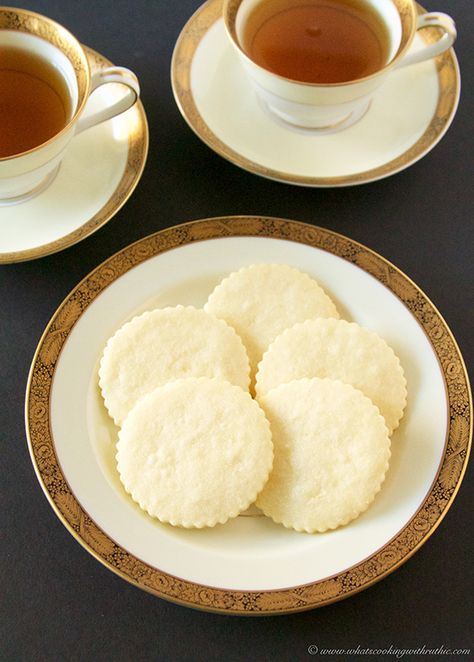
[[331, 449], [263, 300], [339, 350], [195, 452], [166, 344]]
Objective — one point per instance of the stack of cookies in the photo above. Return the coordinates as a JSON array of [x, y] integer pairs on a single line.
[[311, 448]]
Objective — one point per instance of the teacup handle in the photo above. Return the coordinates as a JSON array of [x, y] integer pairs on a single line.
[[111, 75], [435, 20]]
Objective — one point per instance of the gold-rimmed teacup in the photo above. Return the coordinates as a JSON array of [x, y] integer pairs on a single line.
[[28, 172], [333, 106]]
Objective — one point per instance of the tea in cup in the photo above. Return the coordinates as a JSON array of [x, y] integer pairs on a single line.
[[45, 82], [315, 64]]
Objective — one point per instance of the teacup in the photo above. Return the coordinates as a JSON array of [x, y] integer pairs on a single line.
[[27, 172], [332, 106]]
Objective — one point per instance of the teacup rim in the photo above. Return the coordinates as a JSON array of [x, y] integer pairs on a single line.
[[385, 69], [81, 104]]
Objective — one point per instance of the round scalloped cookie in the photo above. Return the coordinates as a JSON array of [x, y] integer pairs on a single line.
[[195, 452], [166, 344], [331, 454], [339, 350], [263, 300]]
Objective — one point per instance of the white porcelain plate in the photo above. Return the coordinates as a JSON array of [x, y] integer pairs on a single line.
[[408, 116], [99, 172], [250, 564]]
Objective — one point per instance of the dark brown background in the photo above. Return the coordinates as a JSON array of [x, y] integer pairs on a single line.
[[58, 603]]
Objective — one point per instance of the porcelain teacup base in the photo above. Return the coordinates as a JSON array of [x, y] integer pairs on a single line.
[[289, 123], [42, 186]]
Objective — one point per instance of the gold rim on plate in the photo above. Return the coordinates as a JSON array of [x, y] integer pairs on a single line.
[[186, 46], [299, 598], [138, 140]]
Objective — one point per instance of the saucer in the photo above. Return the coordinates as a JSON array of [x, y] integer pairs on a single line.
[[406, 119], [97, 176]]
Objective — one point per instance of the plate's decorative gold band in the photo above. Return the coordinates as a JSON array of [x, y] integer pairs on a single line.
[[354, 579], [186, 46], [136, 159]]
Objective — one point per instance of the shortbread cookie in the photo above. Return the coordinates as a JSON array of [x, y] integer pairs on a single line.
[[263, 300], [166, 344], [339, 350], [331, 449], [195, 452]]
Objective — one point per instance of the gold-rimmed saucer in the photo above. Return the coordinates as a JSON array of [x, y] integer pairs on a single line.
[[406, 119], [97, 176]]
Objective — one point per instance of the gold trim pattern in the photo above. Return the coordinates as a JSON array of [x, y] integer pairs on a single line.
[[137, 153], [118, 559], [185, 49]]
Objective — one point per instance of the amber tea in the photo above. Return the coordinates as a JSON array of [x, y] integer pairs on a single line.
[[317, 41], [35, 103]]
